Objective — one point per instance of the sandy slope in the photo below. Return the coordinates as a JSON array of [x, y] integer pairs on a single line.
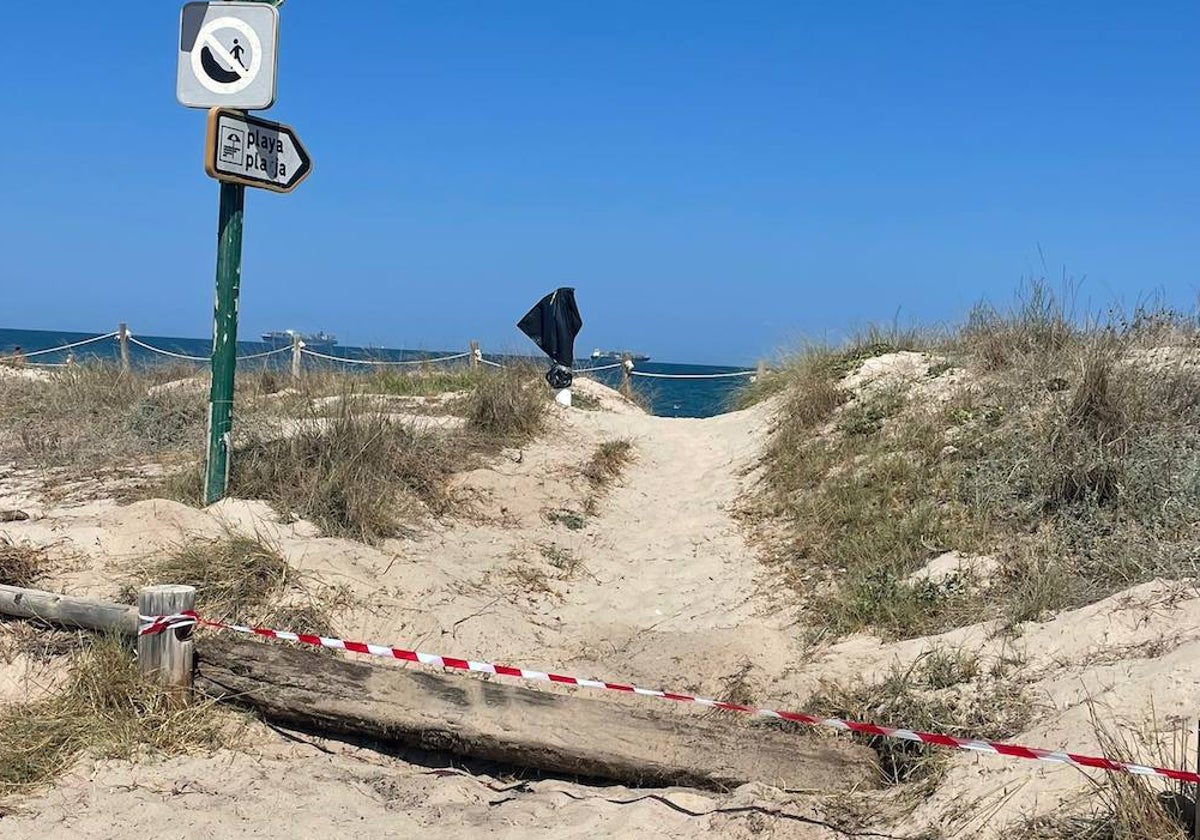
[[666, 592]]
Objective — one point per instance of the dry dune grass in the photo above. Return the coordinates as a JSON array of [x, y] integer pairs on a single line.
[[508, 406], [944, 690], [95, 416], [21, 565], [1120, 807], [607, 462], [351, 467], [426, 381], [814, 371], [364, 474], [1050, 448], [106, 709], [244, 579], [357, 474], [317, 382]]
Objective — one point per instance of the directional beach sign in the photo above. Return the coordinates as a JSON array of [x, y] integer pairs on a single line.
[[227, 55], [242, 149]]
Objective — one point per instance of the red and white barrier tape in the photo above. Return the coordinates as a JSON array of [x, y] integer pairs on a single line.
[[153, 624], [157, 624]]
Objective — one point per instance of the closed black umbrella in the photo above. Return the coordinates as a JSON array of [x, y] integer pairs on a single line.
[[553, 324]]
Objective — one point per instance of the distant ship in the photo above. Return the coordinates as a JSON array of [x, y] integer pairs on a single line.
[[283, 338], [618, 355]]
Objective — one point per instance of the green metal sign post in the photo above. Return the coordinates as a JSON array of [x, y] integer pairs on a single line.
[[226, 63], [224, 348], [230, 134]]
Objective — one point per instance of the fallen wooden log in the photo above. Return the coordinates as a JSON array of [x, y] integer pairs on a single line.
[[511, 724], [476, 718], [65, 611]]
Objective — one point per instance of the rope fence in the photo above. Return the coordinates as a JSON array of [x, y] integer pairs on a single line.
[[298, 350], [170, 354], [597, 368], [274, 352], [167, 353], [70, 346], [649, 375], [381, 362]]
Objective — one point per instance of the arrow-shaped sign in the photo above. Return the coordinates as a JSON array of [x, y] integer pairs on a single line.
[[248, 150]]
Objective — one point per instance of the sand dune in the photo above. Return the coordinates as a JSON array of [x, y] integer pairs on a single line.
[[659, 586]]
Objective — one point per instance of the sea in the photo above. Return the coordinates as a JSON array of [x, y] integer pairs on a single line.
[[665, 397]]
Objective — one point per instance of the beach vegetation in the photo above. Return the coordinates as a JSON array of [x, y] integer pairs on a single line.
[[330, 447], [943, 690], [21, 565], [608, 461], [1121, 806], [95, 416], [507, 407], [107, 710], [360, 474], [1066, 452], [243, 579]]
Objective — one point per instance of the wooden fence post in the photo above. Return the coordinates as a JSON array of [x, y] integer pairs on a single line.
[[1196, 791], [167, 655], [626, 375], [760, 369], [297, 346], [123, 338], [475, 354]]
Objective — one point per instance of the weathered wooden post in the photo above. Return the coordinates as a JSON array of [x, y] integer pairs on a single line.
[[475, 354], [760, 369], [1196, 800], [123, 340], [626, 375], [167, 655], [297, 346]]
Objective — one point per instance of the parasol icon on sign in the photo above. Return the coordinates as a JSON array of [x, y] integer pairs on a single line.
[[232, 145]]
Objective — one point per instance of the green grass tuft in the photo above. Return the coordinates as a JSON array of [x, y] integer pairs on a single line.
[[508, 406]]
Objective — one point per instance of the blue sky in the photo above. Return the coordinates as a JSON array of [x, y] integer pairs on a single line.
[[717, 180]]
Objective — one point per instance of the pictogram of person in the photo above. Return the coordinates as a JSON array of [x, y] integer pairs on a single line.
[[236, 51]]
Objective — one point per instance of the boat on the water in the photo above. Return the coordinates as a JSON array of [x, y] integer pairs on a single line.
[[283, 338], [618, 355]]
